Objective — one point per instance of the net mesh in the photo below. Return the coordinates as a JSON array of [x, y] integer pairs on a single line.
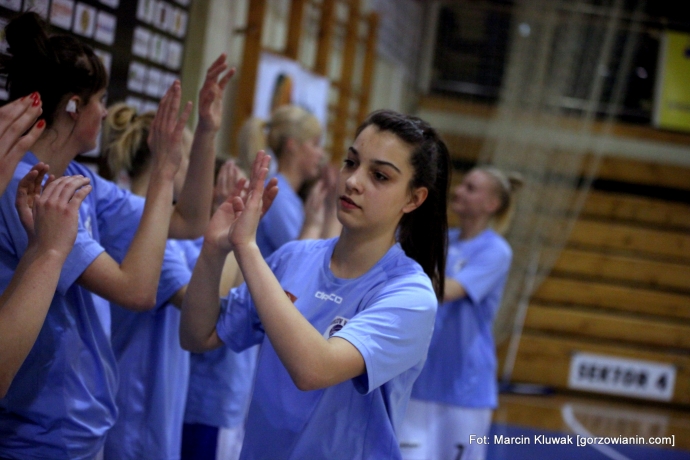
[[564, 80]]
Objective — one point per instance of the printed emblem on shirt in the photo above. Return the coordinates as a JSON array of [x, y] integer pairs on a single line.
[[291, 296], [332, 297], [87, 224], [337, 324]]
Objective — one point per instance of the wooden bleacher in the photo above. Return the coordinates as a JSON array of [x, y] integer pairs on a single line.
[[621, 286]]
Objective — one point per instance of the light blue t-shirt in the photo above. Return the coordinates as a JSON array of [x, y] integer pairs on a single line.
[[62, 401], [220, 382], [387, 314], [154, 369], [283, 221], [461, 365]]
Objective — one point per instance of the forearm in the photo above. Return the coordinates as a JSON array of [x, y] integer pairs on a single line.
[[230, 277], [201, 304], [453, 290], [311, 231], [193, 209], [331, 226], [133, 282], [23, 309], [311, 360]]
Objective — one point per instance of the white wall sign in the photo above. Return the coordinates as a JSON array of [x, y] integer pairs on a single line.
[[622, 376], [84, 20], [153, 81], [282, 80], [146, 10], [39, 6], [140, 42], [106, 58], [61, 13], [136, 77], [111, 3], [106, 26], [15, 5]]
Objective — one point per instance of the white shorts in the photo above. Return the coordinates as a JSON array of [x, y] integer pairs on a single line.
[[434, 431], [230, 443]]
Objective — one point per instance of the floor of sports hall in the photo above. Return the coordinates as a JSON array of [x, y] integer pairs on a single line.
[[549, 427]]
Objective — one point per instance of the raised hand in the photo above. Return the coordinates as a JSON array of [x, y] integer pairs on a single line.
[[56, 213], [16, 118], [229, 175], [50, 214], [165, 135], [211, 94], [255, 199], [331, 226], [250, 210], [28, 191], [314, 211], [329, 176]]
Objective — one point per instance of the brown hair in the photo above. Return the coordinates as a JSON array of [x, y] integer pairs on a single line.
[[422, 233], [57, 66]]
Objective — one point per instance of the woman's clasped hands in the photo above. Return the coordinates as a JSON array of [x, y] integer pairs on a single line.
[[234, 224]]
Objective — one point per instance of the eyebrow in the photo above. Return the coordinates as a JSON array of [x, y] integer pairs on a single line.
[[377, 162]]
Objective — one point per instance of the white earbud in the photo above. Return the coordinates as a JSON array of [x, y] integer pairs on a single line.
[[71, 106]]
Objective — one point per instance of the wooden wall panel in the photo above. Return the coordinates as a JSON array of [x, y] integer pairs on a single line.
[[546, 359], [605, 295]]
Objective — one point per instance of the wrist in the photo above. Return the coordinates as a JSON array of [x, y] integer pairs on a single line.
[[163, 173], [204, 127], [48, 254], [213, 250], [245, 250]]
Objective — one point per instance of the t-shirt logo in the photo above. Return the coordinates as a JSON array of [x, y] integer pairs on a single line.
[[87, 224], [332, 297], [337, 324]]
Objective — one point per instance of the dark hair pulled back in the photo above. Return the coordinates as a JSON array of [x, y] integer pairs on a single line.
[[56, 66], [422, 233]]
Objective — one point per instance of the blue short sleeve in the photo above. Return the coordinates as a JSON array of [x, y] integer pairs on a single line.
[[85, 251], [238, 325], [394, 331], [175, 273], [480, 276], [118, 213]]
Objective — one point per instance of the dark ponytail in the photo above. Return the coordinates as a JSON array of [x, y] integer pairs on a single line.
[[56, 66], [422, 233]]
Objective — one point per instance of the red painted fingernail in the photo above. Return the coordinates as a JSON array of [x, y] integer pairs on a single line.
[[40, 124], [36, 102], [35, 95]]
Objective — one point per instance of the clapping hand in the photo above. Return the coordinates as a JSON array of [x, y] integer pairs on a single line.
[[236, 219], [211, 94], [165, 134], [50, 214]]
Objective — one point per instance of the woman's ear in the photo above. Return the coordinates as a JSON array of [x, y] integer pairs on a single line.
[[417, 197]]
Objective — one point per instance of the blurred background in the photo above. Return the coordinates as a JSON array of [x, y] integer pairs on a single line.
[[588, 99]]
